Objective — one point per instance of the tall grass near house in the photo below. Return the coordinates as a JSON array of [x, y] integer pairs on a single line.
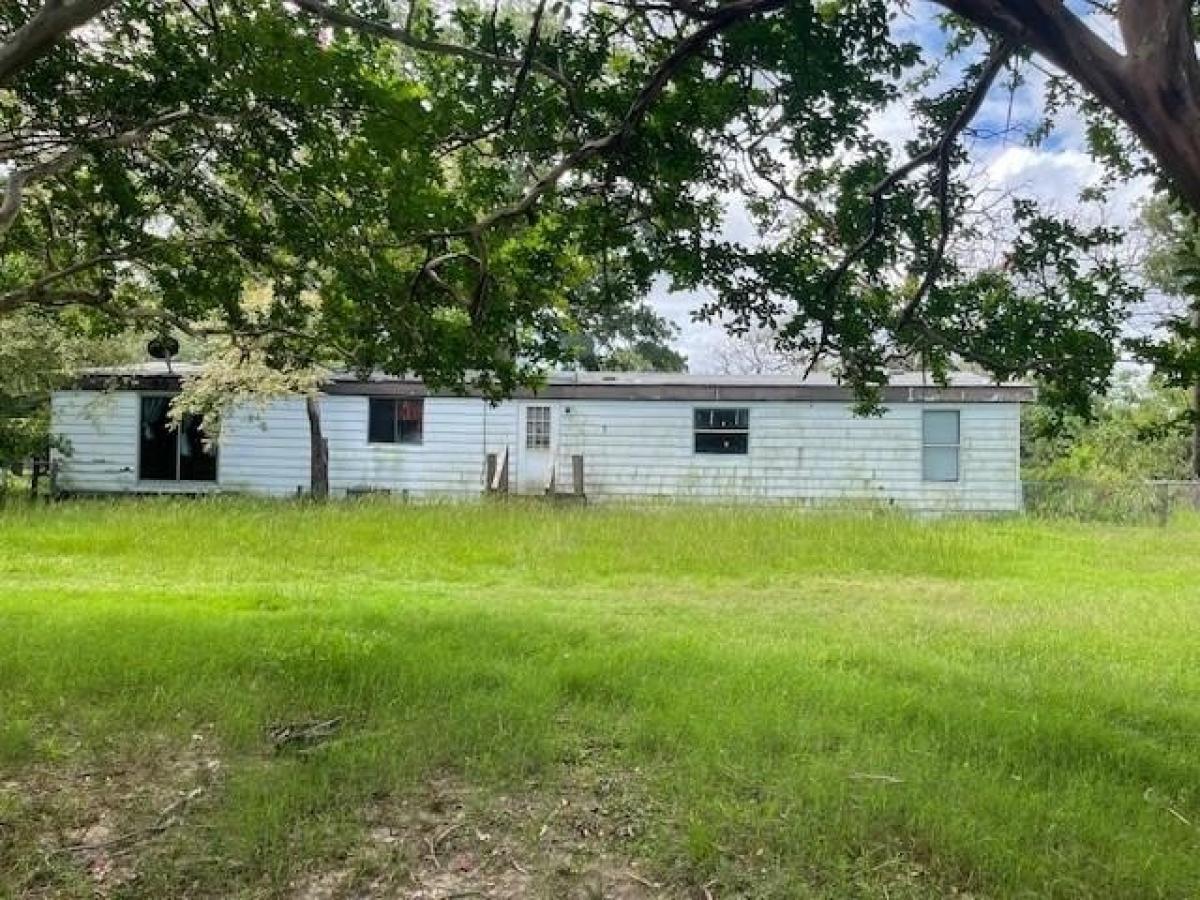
[[810, 705]]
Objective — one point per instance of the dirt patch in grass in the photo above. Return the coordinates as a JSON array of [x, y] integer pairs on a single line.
[[114, 827], [575, 839], [81, 831]]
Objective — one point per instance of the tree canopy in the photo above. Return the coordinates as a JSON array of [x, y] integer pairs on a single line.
[[448, 188]]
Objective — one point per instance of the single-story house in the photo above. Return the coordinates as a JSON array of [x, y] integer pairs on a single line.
[[607, 435]]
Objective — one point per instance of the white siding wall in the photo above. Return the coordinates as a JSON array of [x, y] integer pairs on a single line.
[[799, 452], [264, 449], [458, 434], [818, 452]]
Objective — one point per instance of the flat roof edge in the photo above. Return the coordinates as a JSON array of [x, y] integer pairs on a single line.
[[699, 393]]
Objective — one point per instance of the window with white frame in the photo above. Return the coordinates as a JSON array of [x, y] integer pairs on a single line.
[[722, 430], [940, 444], [537, 427]]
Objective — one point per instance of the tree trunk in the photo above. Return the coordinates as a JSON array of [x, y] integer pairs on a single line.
[[1153, 87], [1165, 118], [1196, 430], [318, 451], [51, 24]]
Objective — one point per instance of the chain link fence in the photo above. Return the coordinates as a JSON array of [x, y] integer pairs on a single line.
[[1136, 502]]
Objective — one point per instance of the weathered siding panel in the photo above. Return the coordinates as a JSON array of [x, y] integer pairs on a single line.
[[458, 434], [818, 452], [264, 449], [100, 433]]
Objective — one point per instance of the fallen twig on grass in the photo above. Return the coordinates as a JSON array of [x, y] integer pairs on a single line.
[[303, 734], [432, 854], [1180, 816], [446, 832], [436, 841], [653, 885], [869, 776]]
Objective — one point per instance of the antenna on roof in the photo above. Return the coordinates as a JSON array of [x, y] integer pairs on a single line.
[[163, 347]]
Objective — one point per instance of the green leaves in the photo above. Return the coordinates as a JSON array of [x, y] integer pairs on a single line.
[[356, 179]]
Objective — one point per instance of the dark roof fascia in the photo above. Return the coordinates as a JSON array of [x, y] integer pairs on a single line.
[[96, 381], [696, 393], [711, 393]]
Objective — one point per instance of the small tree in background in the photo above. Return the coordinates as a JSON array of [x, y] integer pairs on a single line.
[[1132, 436], [247, 377], [1172, 265], [756, 351]]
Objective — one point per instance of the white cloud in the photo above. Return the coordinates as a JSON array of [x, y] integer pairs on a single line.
[[1056, 178], [1048, 174]]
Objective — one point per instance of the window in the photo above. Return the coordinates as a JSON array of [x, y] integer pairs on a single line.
[[722, 430], [394, 421], [537, 427], [939, 439], [166, 453]]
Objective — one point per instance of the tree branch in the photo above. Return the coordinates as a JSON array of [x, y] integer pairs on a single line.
[[430, 268], [938, 153], [685, 50], [996, 61], [526, 63], [1155, 90], [98, 300], [54, 21], [18, 181], [404, 35], [39, 292], [1050, 28], [730, 14]]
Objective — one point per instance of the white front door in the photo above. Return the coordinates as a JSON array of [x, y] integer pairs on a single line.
[[535, 448]]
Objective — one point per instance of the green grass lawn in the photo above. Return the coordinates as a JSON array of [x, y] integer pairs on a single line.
[[594, 702]]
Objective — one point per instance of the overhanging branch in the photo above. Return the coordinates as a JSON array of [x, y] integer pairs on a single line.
[[404, 36], [729, 15], [938, 153], [1154, 89], [54, 21], [526, 63], [19, 180]]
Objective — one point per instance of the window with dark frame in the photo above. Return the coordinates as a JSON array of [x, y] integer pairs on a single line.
[[722, 430], [392, 420], [537, 427], [167, 453], [940, 445]]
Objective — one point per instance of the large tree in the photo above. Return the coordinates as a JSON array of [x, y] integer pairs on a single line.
[[521, 154]]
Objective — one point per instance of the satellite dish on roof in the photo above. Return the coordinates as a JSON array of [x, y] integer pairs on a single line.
[[163, 347]]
